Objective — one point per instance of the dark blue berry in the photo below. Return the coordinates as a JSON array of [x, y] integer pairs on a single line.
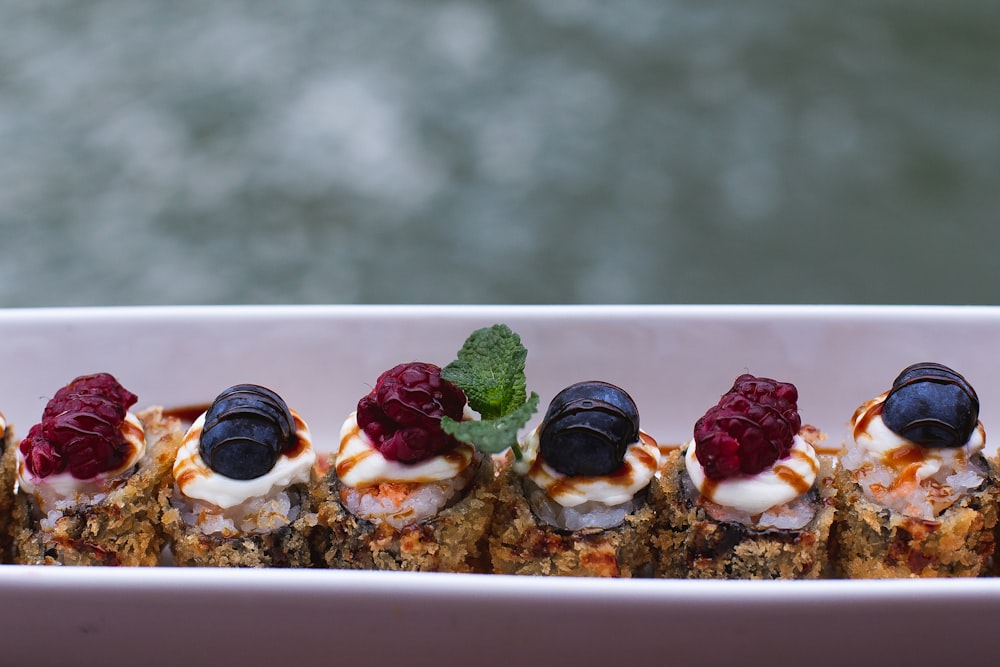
[[587, 428], [931, 405], [246, 429]]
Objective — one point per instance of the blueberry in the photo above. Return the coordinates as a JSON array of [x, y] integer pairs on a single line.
[[587, 428], [246, 429], [931, 405]]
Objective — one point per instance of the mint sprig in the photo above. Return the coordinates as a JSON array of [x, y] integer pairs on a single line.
[[490, 370]]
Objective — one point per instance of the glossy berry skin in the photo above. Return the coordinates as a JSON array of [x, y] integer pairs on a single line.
[[80, 429], [931, 405], [587, 428], [751, 427], [246, 429], [402, 414]]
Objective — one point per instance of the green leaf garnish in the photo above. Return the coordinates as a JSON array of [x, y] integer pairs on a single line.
[[493, 435], [490, 370]]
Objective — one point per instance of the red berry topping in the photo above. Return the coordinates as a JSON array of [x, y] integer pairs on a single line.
[[402, 414], [80, 429], [750, 428]]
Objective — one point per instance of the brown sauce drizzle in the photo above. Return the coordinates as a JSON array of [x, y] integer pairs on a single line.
[[186, 477], [794, 479], [131, 430], [190, 469], [561, 486], [646, 460], [905, 461], [784, 473], [187, 413], [193, 468], [708, 488], [666, 448], [903, 457], [623, 476], [867, 412], [908, 477], [300, 443], [454, 457], [345, 466], [817, 439]]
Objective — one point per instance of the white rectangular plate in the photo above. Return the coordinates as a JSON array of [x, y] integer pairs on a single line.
[[675, 361]]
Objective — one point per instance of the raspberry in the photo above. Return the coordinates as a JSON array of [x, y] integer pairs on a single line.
[[80, 429], [750, 428], [402, 414]]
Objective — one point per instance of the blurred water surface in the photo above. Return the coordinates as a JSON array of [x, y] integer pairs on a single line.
[[532, 151]]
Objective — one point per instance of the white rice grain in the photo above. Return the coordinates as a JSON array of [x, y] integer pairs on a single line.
[[254, 517], [925, 500], [423, 502], [590, 515]]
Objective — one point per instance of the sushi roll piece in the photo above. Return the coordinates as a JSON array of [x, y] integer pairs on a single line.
[[748, 497], [88, 477], [917, 497], [240, 485], [575, 504], [401, 494], [8, 479]]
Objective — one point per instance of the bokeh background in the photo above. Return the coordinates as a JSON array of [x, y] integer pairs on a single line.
[[529, 151]]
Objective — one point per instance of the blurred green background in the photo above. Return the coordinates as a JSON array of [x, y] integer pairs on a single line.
[[532, 151]]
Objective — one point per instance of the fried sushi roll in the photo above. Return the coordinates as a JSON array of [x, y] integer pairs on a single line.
[[747, 497], [8, 479], [401, 493], [575, 503], [88, 478], [241, 479], [917, 497]]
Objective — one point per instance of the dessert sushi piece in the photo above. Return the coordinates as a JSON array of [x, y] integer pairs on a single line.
[[916, 496], [575, 502], [747, 497], [402, 494], [8, 478], [88, 477], [240, 486], [412, 484]]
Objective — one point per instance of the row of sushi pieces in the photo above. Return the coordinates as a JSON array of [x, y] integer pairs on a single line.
[[434, 472]]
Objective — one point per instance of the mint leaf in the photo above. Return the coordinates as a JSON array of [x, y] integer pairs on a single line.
[[490, 370], [493, 435]]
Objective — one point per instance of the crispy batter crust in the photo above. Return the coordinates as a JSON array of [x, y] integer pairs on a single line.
[[453, 541], [521, 544], [874, 542], [122, 529], [8, 477], [287, 547], [691, 544]]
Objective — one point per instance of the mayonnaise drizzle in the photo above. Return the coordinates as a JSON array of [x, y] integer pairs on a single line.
[[642, 458], [782, 482], [64, 486], [359, 463], [905, 476], [196, 480], [881, 444]]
